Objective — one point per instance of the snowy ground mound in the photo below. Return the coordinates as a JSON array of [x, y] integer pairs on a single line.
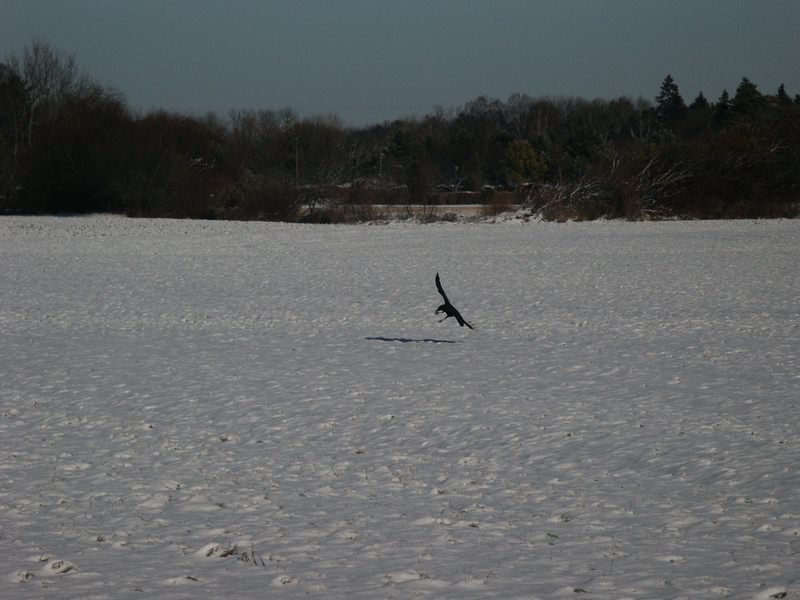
[[248, 410]]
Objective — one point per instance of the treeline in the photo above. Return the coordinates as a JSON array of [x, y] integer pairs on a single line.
[[68, 145]]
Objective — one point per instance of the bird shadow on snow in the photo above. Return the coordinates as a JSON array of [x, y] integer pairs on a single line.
[[410, 340]]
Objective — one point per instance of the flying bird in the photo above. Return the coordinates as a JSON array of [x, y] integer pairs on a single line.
[[448, 309]]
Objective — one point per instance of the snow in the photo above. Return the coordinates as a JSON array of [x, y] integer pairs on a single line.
[[213, 409]]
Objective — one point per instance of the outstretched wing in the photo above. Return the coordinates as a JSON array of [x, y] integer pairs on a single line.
[[441, 291]]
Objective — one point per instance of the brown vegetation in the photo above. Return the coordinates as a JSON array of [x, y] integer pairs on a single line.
[[69, 145]]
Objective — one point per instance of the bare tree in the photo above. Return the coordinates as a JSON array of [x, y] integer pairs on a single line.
[[49, 78], [13, 102]]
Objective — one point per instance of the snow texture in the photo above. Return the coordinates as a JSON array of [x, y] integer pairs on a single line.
[[248, 410]]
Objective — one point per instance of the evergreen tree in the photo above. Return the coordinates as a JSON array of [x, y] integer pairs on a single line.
[[722, 109], [748, 99], [669, 104], [699, 103], [783, 97], [522, 162], [699, 118]]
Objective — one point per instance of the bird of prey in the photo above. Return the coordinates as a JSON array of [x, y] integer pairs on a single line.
[[448, 309]]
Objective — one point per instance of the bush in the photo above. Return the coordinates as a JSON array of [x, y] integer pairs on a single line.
[[257, 197]]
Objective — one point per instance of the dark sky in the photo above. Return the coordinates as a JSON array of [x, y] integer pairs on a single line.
[[371, 60]]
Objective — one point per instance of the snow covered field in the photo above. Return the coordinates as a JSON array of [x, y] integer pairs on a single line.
[[249, 410]]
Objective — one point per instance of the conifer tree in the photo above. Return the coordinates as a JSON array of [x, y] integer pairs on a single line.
[[747, 99], [783, 97], [669, 102], [699, 103], [722, 109]]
